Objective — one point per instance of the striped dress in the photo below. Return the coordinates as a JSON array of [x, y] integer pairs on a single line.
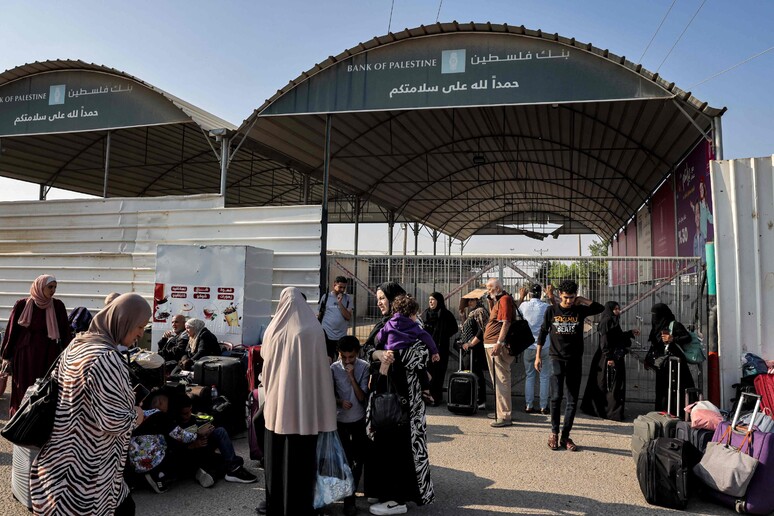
[[80, 470]]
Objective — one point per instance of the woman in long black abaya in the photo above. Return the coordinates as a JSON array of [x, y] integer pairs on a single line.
[[605, 394], [442, 325]]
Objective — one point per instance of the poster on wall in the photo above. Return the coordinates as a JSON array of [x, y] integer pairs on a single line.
[[694, 202], [644, 247], [662, 219], [218, 306]]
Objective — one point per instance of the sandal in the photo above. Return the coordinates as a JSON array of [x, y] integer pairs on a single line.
[[553, 442], [567, 443], [428, 398]]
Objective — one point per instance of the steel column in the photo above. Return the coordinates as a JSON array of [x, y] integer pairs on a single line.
[[107, 166], [324, 221]]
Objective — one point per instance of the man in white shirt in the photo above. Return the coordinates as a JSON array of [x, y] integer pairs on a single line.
[[534, 312], [335, 311]]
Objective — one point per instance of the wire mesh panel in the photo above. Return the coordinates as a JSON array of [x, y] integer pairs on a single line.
[[635, 283]]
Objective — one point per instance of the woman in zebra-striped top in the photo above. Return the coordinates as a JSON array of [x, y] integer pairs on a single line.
[[80, 469]]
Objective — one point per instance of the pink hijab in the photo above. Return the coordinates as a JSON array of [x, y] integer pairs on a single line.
[[296, 372], [38, 297]]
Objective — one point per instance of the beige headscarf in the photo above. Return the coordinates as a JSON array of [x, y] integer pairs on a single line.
[[115, 321], [296, 372], [38, 297], [197, 325]]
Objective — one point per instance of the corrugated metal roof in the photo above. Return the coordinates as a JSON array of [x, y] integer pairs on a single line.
[[587, 165]]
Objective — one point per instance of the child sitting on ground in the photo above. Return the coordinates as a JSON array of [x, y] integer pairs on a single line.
[[350, 383], [148, 446], [402, 330]]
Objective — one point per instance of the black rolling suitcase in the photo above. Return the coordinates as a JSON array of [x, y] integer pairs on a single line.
[[663, 472], [462, 391], [698, 437], [227, 375]]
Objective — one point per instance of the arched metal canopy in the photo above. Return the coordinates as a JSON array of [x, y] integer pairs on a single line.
[[572, 136]]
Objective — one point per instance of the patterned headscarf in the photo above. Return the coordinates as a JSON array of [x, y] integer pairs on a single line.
[[38, 297], [197, 325]]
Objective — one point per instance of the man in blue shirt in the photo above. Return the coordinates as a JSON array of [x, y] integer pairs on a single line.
[[334, 313], [534, 312]]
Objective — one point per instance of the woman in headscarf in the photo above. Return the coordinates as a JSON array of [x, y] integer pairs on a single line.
[[37, 333], [80, 469], [605, 394], [201, 343], [300, 404], [442, 325], [666, 338], [397, 469]]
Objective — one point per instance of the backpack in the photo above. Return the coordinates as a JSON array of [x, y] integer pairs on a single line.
[[79, 319], [694, 351]]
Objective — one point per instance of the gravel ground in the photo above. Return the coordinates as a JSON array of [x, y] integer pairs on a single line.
[[477, 470]]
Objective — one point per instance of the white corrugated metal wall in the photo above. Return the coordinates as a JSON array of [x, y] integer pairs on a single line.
[[99, 246], [743, 203]]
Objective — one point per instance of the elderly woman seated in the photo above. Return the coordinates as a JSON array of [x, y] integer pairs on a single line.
[[201, 343]]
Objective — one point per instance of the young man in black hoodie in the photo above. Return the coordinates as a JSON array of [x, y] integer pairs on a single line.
[[564, 323]]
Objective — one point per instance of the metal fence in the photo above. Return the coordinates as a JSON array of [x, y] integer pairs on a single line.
[[635, 283]]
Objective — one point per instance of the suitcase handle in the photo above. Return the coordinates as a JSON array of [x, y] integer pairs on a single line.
[[739, 409]]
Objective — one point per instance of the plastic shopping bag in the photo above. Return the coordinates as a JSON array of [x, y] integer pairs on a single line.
[[334, 477]]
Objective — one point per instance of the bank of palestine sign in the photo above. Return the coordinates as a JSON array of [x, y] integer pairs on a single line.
[[74, 101], [464, 70]]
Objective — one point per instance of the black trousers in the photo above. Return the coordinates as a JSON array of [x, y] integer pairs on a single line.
[[569, 373], [290, 470], [355, 442]]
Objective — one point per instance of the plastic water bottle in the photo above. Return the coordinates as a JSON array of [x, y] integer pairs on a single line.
[[214, 391]]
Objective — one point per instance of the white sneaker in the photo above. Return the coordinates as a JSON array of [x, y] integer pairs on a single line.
[[204, 478], [388, 508], [481, 406]]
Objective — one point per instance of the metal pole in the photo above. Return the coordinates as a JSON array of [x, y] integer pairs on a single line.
[[718, 137], [416, 261], [224, 157], [42, 194], [435, 253], [305, 187], [354, 287], [390, 228], [324, 215], [107, 166]]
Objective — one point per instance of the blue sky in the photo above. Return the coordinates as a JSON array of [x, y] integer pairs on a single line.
[[229, 56]]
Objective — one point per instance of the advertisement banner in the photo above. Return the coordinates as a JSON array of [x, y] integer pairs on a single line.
[[218, 306], [644, 247], [694, 202], [616, 264], [75, 101], [662, 215], [631, 250], [463, 69]]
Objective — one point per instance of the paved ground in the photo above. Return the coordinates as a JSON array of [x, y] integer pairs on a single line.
[[477, 470]]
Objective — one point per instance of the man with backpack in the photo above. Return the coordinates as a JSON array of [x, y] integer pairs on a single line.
[[335, 311]]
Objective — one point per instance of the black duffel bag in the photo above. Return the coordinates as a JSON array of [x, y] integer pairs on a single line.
[[33, 423]]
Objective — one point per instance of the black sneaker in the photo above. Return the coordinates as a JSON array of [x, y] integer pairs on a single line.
[[241, 475], [158, 485]]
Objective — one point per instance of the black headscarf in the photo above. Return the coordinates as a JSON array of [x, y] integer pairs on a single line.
[[440, 300], [391, 290], [609, 319], [661, 316], [440, 323]]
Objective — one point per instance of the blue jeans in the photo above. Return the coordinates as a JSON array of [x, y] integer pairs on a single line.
[[545, 376], [219, 439]]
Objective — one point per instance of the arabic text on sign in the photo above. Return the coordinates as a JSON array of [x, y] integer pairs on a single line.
[[227, 297], [226, 290], [201, 296], [179, 289], [181, 295], [201, 289]]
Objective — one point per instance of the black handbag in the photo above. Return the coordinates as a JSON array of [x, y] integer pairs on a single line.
[[385, 409], [33, 423], [519, 336]]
